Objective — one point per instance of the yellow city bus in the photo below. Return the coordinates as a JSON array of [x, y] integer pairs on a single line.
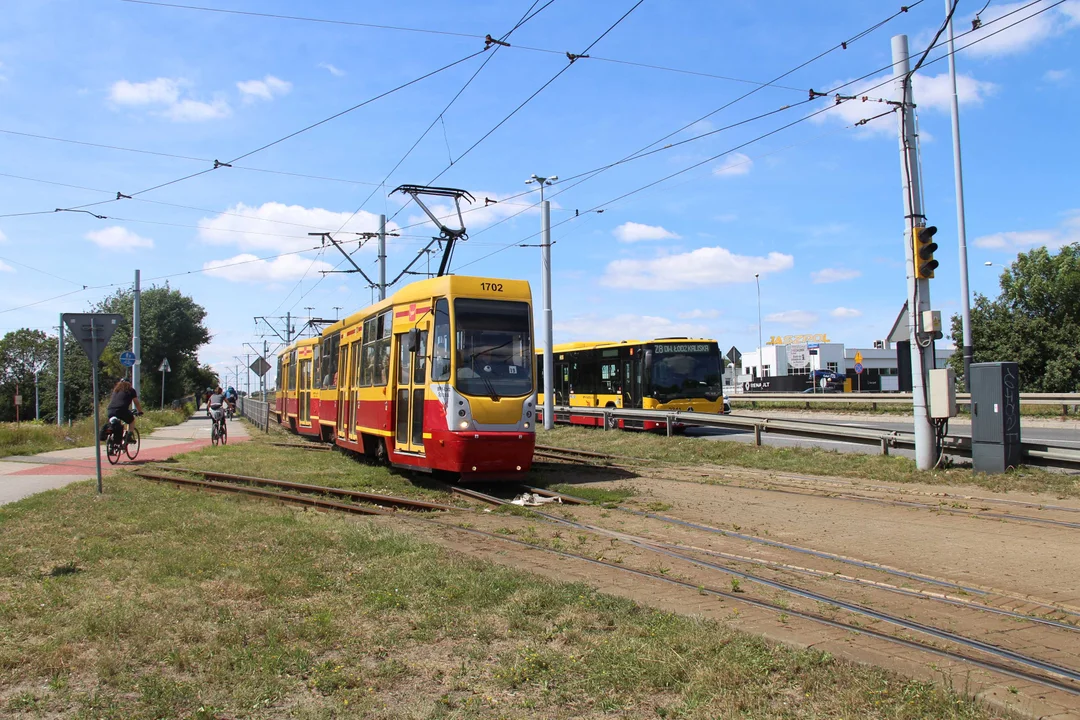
[[683, 374]]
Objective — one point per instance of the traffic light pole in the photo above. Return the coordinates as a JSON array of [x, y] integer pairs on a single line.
[[922, 344]]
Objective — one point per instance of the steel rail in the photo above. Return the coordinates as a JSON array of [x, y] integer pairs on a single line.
[[301, 446], [812, 617], [855, 608], [267, 494], [377, 498], [890, 398]]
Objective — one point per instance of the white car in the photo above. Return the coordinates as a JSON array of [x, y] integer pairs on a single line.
[[727, 406]]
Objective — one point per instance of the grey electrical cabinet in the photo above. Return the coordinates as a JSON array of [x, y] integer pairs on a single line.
[[995, 416]]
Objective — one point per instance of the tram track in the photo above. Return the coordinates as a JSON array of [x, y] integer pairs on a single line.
[[1002, 660]]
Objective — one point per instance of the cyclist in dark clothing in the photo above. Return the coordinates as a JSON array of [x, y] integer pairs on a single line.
[[120, 404]]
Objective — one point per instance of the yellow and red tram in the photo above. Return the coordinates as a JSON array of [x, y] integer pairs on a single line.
[[440, 376]]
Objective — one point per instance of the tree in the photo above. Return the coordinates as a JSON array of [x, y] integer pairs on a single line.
[[1035, 321], [22, 352], [172, 327]]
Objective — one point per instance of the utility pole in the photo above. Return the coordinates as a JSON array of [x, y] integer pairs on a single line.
[[37, 404], [382, 257], [136, 339], [60, 375], [247, 374], [918, 288], [337, 310], [262, 378], [760, 348], [545, 286], [961, 230], [288, 327]]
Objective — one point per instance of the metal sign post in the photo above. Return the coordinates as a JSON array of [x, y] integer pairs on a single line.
[[164, 368], [93, 331]]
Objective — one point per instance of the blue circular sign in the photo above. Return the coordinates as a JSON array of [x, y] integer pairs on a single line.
[[858, 368], [127, 358]]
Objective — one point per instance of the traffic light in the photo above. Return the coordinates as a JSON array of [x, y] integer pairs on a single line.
[[923, 247]]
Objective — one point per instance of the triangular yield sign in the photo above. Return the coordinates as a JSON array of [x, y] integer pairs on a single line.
[[92, 330]]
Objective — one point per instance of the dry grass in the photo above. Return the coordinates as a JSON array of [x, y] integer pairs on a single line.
[[811, 461], [155, 602]]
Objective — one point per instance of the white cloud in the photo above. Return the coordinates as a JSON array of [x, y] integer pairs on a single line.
[[164, 91], [266, 89], [734, 164], [698, 313], [254, 270], [165, 94], [843, 312], [276, 226], [335, 71], [188, 110], [118, 238], [1014, 241], [932, 92], [630, 232], [629, 327], [831, 275], [4, 267], [1024, 35], [704, 266], [799, 318], [1057, 76]]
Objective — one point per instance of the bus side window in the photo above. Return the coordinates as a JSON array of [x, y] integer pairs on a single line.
[[440, 347]]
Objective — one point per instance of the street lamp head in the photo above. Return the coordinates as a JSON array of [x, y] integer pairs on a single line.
[[553, 178], [988, 263]]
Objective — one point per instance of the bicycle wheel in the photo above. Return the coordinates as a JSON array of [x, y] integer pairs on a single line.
[[214, 434], [113, 450], [132, 445], [224, 434]]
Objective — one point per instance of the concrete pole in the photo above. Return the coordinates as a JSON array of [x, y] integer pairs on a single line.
[[760, 347], [97, 407], [918, 290], [545, 283], [136, 339], [37, 404], [247, 373], [60, 375], [961, 230], [262, 378], [288, 328], [382, 257]]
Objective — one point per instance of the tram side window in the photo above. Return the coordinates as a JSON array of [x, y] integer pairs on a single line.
[[280, 378], [292, 370], [384, 328], [440, 349], [330, 361], [316, 366], [367, 354]]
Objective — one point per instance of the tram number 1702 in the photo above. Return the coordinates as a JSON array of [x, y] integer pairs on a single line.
[[492, 287]]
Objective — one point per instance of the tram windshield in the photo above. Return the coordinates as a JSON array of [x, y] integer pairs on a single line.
[[494, 347], [686, 370]]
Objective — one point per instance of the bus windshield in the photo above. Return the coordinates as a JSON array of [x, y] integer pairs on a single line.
[[494, 348], [686, 370]]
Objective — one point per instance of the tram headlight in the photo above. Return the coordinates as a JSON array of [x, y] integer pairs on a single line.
[[526, 426], [464, 424]]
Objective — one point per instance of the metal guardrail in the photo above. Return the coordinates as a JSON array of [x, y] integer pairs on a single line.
[[1062, 399], [1033, 453], [255, 411]]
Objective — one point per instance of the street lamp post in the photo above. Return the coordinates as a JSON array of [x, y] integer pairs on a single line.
[[545, 286]]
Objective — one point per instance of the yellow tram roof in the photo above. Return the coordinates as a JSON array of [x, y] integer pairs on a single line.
[[605, 344], [447, 285]]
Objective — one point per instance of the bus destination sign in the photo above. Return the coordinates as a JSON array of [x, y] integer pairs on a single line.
[[685, 348]]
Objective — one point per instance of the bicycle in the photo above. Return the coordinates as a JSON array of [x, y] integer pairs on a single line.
[[219, 433], [121, 440]]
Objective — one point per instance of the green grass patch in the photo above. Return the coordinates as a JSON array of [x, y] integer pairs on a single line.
[[809, 461], [594, 494], [28, 438], [201, 605]]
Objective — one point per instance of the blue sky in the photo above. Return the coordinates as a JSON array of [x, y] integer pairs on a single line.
[[814, 208]]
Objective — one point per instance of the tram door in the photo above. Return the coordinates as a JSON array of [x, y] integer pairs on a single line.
[[409, 401], [343, 387], [304, 395], [631, 377], [354, 389]]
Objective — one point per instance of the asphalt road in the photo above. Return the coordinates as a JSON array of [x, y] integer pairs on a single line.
[[1065, 436]]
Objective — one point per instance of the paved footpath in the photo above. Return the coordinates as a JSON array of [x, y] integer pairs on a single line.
[[23, 475]]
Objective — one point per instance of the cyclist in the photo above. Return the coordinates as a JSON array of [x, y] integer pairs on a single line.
[[123, 396], [230, 397], [213, 406]]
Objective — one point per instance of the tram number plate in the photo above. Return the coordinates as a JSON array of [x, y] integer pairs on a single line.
[[492, 287]]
